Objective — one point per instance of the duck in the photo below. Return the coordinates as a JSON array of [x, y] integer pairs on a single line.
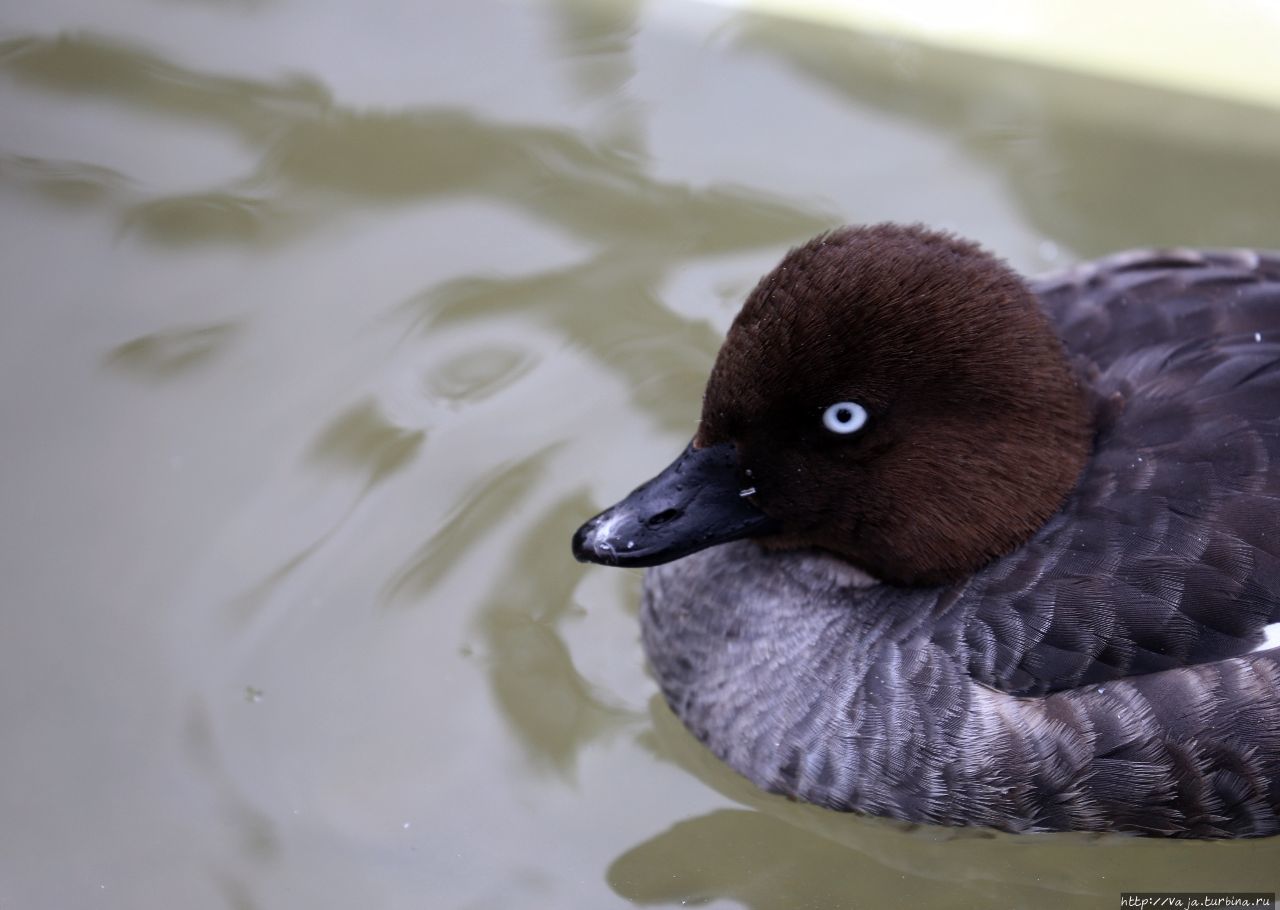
[[957, 548]]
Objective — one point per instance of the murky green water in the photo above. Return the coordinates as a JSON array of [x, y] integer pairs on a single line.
[[324, 324]]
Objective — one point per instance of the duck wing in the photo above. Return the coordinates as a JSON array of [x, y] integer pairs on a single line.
[[1167, 554], [1105, 307]]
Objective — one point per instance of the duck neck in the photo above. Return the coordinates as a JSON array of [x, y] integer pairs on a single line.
[[802, 683]]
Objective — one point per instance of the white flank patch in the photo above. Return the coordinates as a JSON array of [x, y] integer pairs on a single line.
[[1271, 639]]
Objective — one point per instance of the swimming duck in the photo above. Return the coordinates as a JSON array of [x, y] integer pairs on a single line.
[[957, 549]]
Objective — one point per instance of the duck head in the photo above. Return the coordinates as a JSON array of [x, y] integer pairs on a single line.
[[891, 394]]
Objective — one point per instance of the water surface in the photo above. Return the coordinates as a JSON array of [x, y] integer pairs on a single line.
[[324, 325]]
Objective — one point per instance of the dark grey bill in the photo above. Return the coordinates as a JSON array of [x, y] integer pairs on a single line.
[[695, 503]]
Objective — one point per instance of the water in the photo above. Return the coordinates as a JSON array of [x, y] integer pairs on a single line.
[[325, 324]]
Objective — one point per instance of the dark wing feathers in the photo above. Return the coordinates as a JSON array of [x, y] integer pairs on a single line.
[[1168, 552]]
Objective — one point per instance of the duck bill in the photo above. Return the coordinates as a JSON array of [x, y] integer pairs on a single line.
[[697, 502]]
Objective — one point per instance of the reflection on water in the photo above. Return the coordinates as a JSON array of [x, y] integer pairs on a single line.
[[312, 392], [593, 41], [66, 182], [361, 439], [477, 374], [478, 509], [203, 218], [556, 711], [163, 354], [82, 63], [660, 354], [1070, 149]]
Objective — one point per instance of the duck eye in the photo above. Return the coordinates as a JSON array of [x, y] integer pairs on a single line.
[[844, 417]]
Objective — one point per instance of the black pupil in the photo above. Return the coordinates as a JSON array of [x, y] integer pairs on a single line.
[[844, 415]]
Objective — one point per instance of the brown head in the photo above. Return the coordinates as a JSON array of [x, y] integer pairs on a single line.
[[891, 394]]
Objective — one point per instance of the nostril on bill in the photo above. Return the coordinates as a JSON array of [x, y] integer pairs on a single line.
[[657, 521]]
